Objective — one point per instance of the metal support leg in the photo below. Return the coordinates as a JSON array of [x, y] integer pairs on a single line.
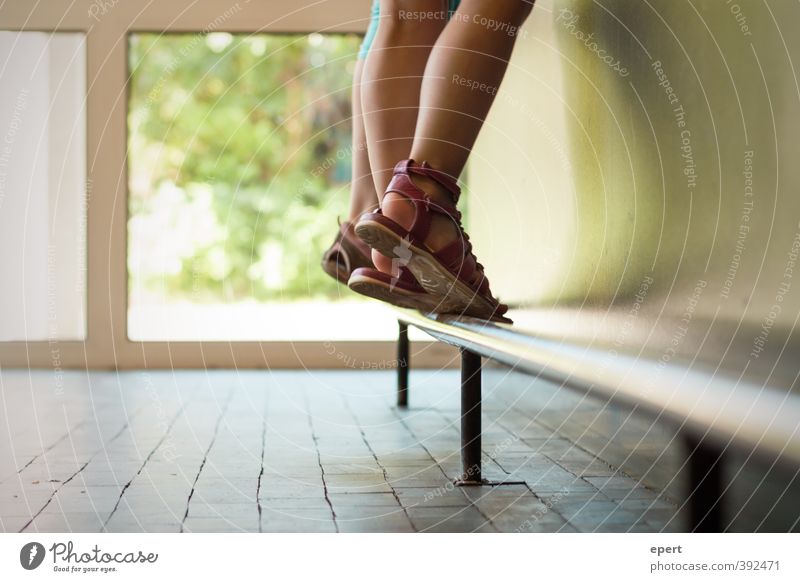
[[706, 505], [403, 361], [470, 418]]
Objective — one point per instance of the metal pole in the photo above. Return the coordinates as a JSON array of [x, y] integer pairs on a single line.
[[470, 418], [403, 361], [705, 483]]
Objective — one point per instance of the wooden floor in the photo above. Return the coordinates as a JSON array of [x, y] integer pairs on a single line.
[[290, 451]]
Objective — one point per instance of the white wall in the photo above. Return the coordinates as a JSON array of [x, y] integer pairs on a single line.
[[42, 186]]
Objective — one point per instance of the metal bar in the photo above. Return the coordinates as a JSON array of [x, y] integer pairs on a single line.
[[470, 418], [403, 361], [693, 398], [705, 501]]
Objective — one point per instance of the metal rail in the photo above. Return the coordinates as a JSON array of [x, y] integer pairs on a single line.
[[713, 410]]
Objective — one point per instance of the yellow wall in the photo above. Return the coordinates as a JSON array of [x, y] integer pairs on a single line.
[[582, 189]]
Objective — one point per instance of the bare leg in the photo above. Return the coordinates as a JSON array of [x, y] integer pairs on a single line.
[[390, 89], [386, 89], [391, 82], [362, 189], [451, 111], [347, 253], [463, 72]]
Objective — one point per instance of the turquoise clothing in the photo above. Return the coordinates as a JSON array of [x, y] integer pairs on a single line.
[[375, 15]]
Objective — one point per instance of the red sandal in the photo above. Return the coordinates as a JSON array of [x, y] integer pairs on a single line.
[[349, 261], [346, 254], [403, 291], [452, 275]]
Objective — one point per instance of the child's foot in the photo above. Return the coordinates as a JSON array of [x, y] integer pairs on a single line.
[[348, 261], [419, 226]]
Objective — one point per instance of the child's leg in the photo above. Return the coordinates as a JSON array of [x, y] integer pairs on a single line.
[[390, 87], [363, 197], [463, 72]]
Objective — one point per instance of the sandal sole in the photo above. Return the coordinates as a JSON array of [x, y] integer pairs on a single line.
[[453, 296], [380, 290]]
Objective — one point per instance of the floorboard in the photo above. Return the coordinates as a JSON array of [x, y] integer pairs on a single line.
[[285, 451]]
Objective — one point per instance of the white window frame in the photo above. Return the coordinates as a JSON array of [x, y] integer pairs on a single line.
[[107, 24]]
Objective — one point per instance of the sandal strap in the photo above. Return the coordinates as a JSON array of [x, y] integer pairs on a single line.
[[425, 169], [453, 256], [403, 185]]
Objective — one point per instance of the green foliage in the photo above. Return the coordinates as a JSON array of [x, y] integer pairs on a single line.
[[239, 161]]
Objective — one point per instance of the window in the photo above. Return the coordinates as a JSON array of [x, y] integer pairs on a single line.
[[239, 165], [114, 295]]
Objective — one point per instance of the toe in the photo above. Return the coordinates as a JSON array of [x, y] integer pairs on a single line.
[[382, 262]]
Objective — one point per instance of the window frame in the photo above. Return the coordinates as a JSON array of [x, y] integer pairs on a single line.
[[107, 25]]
